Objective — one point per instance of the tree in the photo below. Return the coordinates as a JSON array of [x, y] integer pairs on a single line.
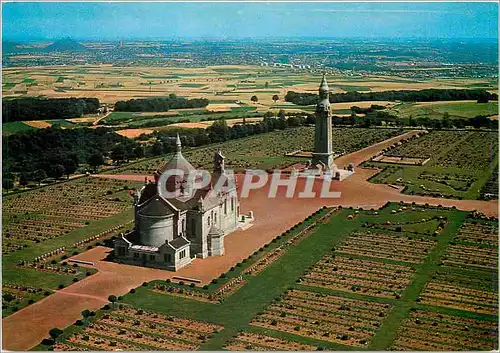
[[254, 99], [276, 98], [7, 184], [219, 131], [139, 152], [446, 120], [281, 124], [55, 333], [95, 160], [38, 175], [69, 166], [281, 114], [118, 154], [85, 314], [56, 171], [411, 122], [23, 179], [112, 299], [8, 297], [266, 85], [157, 148]]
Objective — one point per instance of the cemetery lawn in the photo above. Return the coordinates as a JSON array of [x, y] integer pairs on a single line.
[[289, 276]]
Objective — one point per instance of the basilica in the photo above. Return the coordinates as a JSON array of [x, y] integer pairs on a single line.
[[171, 231]]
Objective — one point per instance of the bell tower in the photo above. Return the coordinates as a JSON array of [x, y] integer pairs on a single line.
[[323, 153]]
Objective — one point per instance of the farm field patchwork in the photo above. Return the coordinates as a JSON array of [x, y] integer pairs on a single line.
[[460, 164]]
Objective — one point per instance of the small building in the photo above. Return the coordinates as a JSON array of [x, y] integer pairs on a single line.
[[170, 232]]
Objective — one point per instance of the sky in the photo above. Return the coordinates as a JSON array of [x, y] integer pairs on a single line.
[[222, 20]]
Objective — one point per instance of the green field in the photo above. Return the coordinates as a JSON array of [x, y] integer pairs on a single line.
[[456, 110], [15, 127], [368, 310]]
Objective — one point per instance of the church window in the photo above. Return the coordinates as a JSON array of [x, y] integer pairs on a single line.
[[215, 218], [232, 204], [225, 206], [167, 257], [182, 254], [152, 257], [208, 220], [184, 225]]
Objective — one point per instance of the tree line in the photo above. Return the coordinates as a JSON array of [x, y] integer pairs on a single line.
[[425, 95], [160, 104], [379, 117], [23, 109], [53, 152]]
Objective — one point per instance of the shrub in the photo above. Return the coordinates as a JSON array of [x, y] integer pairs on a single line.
[[132, 291], [53, 262], [192, 285], [168, 280], [205, 287], [61, 286], [88, 273], [75, 280], [223, 275], [47, 342], [74, 253], [214, 281]]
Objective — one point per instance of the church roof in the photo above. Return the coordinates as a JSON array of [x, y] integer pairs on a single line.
[[179, 242], [215, 231], [147, 192], [157, 206], [177, 161]]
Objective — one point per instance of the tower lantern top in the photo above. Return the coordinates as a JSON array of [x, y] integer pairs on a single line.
[[178, 144], [323, 87]]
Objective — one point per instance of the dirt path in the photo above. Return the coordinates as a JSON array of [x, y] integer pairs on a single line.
[[29, 326]]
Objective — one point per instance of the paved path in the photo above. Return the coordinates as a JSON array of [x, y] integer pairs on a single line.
[[29, 326]]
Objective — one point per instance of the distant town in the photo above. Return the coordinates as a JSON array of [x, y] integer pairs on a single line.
[[409, 58]]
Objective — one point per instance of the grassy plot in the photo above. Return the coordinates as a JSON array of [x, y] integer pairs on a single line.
[[15, 127], [436, 110]]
